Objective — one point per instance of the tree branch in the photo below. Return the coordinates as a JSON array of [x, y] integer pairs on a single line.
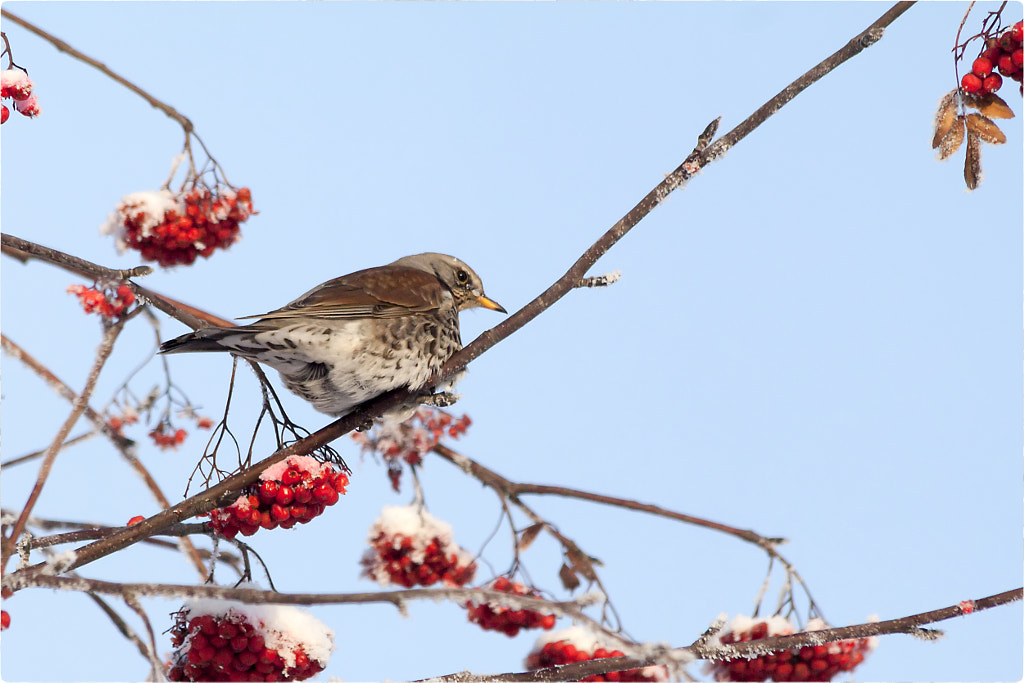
[[574, 672]]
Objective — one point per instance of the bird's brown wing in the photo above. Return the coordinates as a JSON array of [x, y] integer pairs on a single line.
[[381, 292]]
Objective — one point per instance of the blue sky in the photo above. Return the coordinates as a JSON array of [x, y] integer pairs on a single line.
[[819, 338]]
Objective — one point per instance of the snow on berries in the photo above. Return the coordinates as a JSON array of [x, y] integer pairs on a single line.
[[225, 640], [810, 663], [409, 547], [578, 644], [412, 439], [173, 229], [290, 492], [501, 617], [16, 85], [107, 301]]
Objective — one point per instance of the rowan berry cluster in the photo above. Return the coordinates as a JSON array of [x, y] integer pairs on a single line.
[[576, 644], [1004, 54], [173, 229], [107, 302], [293, 491], [166, 440], [411, 440], [16, 85], [811, 663], [498, 617], [247, 643], [409, 547], [128, 417]]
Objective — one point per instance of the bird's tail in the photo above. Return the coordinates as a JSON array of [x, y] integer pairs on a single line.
[[203, 339]]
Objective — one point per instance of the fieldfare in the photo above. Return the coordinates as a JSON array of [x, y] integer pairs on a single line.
[[358, 335]]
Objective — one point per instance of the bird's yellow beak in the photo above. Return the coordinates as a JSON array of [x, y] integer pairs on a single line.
[[490, 303]]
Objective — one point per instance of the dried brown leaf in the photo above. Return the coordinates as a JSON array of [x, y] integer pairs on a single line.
[[945, 117], [972, 165], [953, 139], [582, 563], [528, 536], [991, 105], [568, 577], [985, 128]]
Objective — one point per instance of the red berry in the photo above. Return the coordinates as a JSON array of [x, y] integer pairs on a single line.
[[279, 513], [1018, 57], [1006, 65], [1008, 42], [5, 113], [982, 67], [1017, 32], [135, 520], [227, 630], [992, 82], [268, 490], [291, 477], [5, 620], [285, 495], [993, 54], [970, 83]]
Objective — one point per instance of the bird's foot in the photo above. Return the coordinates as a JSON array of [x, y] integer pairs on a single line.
[[366, 425]]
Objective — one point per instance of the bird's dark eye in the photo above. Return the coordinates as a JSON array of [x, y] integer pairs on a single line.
[[462, 276]]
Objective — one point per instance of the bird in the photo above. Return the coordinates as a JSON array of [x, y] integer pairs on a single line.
[[359, 335]]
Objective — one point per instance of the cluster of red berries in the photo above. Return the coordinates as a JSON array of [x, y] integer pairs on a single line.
[[505, 619], [15, 84], [1003, 53], [230, 648], [174, 229], [811, 663], [169, 439], [129, 417], [409, 547], [415, 437], [105, 302], [560, 652], [291, 492]]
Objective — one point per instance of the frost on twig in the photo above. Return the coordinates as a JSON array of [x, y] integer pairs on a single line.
[[58, 563], [600, 280], [931, 634]]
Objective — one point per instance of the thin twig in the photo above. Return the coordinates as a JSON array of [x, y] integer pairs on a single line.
[[77, 407], [64, 47], [127, 631], [28, 457]]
